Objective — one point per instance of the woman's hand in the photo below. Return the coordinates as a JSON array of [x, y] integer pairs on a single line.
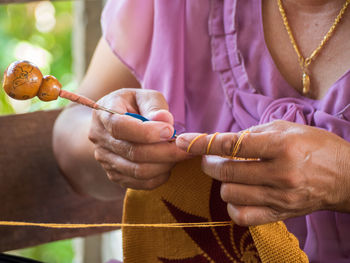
[[300, 169], [133, 153]]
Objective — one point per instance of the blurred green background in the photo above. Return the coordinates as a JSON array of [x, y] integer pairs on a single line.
[[40, 32]]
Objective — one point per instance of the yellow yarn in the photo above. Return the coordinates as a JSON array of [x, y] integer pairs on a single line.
[[194, 140], [238, 144], [165, 225], [209, 144]]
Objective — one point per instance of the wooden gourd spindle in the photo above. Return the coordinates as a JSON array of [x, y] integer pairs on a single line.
[[23, 80]]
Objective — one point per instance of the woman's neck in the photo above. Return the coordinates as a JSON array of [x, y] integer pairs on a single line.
[[310, 20], [328, 7]]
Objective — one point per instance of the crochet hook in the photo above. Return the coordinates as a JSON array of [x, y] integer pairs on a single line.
[[23, 80]]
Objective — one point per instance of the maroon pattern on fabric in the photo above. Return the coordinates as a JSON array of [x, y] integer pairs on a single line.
[[218, 213], [220, 244], [197, 259]]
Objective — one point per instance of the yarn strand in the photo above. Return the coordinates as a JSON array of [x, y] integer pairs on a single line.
[[165, 225]]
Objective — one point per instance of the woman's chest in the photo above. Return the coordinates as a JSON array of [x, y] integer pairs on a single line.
[[329, 65]]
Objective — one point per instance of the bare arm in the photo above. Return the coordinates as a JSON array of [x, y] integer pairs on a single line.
[[73, 150]]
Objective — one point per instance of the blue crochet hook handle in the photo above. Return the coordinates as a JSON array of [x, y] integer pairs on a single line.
[[140, 117]]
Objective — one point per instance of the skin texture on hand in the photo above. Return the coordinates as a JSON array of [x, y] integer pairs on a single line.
[[301, 169], [133, 153]]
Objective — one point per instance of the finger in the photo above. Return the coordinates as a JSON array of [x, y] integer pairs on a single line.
[[253, 215], [137, 152], [249, 173], [247, 195], [130, 182], [149, 103], [164, 152], [127, 128], [140, 171], [253, 145], [153, 106], [121, 101]]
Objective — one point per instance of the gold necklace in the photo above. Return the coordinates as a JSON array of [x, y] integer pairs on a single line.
[[305, 62]]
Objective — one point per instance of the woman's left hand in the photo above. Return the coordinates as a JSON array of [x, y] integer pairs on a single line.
[[301, 169]]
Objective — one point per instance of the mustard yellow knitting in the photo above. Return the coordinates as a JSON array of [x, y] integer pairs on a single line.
[[191, 196]]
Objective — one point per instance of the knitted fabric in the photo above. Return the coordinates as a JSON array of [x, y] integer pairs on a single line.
[[191, 196]]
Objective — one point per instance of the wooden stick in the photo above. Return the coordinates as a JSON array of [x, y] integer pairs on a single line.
[[83, 101]]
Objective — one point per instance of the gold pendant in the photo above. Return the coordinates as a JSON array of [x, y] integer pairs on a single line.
[[306, 83]]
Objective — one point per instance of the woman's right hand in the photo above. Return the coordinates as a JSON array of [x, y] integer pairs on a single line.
[[133, 153]]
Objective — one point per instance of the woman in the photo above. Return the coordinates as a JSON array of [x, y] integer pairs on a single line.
[[224, 66]]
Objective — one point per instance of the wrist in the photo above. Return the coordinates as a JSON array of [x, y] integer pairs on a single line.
[[342, 184]]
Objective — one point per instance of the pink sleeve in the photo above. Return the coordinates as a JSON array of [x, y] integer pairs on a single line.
[[149, 37], [128, 28]]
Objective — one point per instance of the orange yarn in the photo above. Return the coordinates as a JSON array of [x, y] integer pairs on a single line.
[[235, 148], [211, 141], [238, 144], [169, 225], [194, 140]]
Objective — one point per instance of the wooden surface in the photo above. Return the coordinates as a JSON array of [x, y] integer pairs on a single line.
[[33, 189]]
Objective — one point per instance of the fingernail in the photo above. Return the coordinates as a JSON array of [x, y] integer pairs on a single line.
[[166, 133]]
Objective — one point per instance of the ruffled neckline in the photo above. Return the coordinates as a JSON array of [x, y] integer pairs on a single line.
[[232, 60], [254, 88]]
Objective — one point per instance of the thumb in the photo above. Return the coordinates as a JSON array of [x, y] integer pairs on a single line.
[[153, 106]]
